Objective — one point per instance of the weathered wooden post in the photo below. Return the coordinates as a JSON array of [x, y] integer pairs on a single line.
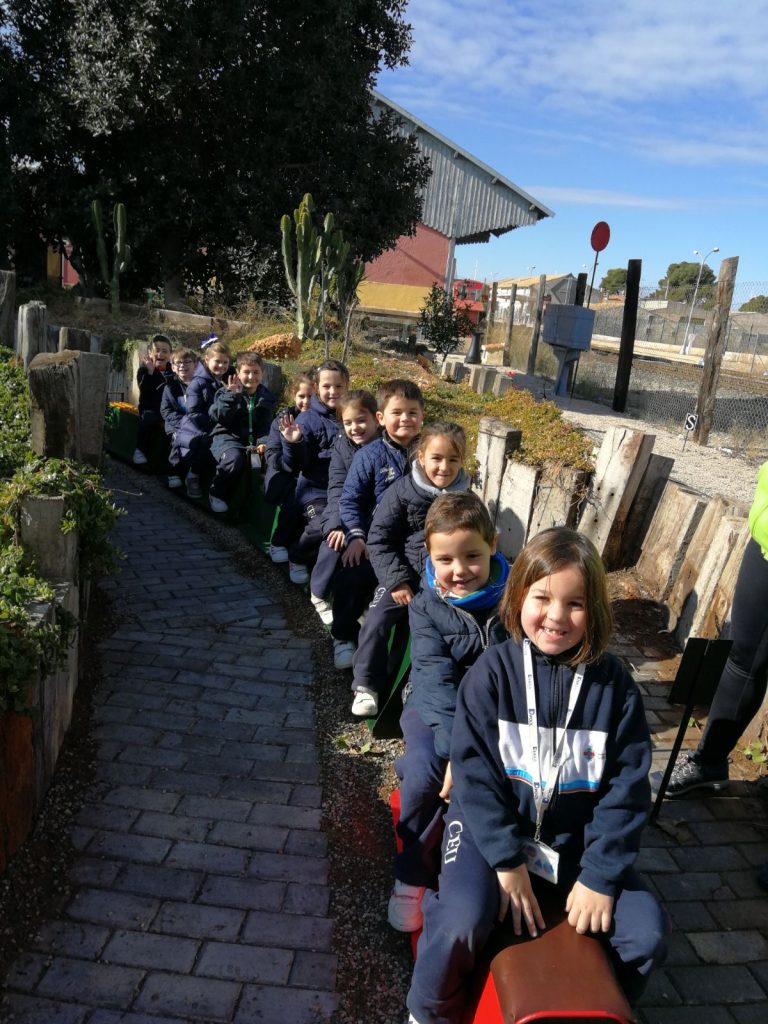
[[506, 359], [495, 443], [492, 309], [7, 306], [713, 356], [531, 369], [627, 342], [581, 289], [32, 331]]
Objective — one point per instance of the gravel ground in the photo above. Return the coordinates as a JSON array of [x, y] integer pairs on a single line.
[[712, 470]]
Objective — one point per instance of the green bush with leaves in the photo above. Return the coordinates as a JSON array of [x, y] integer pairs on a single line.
[[14, 415], [442, 322]]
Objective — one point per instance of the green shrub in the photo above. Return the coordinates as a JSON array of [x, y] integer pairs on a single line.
[[14, 415]]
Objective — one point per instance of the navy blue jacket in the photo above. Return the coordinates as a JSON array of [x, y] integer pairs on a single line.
[[151, 387], [602, 799], [174, 404], [311, 456], [200, 395], [446, 641], [373, 469], [240, 420], [344, 451], [279, 484], [396, 538]]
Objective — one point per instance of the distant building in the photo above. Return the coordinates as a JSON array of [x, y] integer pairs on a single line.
[[560, 290], [465, 201]]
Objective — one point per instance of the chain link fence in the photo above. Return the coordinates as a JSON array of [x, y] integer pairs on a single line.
[[670, 339]]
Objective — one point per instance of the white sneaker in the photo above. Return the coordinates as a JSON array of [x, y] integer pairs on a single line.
[[365, 704], [217, 505], [278, 554], [194, 490], [139, 458], [343, 653], [298, 573], [174, 482], [404, 908], [323, 609]]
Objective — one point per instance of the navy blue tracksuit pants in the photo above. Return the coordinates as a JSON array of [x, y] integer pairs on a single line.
[[327, 563], [420, 828], [304, 550], [458, 921], [229, 468], [352, 591], [369, 669]]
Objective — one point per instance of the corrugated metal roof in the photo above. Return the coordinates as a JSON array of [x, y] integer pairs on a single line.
[[464, 197]]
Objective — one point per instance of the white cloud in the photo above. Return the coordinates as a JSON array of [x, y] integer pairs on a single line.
[[606, 197]]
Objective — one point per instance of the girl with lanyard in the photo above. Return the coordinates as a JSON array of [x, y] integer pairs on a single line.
[[550, 755]]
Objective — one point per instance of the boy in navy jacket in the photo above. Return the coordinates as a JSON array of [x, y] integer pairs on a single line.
[[173, 408], [152, 377], [307, 445], [194, 434], [453, 619], [241, 414]]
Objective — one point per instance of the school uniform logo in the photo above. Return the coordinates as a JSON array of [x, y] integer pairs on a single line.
[[388, 473], [455, 828]]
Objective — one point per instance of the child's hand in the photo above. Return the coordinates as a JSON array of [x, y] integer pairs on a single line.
[[335, 540], [515, 892], [261, 448], [447, 784], [149, 362], [289, 428], [402, 595], [588, 911], [355, 553], [234, 384]]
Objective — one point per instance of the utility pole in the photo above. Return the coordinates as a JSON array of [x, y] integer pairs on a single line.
[[713, 356]]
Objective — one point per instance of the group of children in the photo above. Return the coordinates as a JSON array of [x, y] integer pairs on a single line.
[[526, 750], [214, 414]]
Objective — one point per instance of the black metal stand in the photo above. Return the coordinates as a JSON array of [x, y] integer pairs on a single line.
[[473, 355]]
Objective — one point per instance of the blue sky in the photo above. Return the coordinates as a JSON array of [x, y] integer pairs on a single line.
[[650, 116]]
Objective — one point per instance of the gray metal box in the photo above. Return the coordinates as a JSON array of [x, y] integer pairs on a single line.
[[568, 326]]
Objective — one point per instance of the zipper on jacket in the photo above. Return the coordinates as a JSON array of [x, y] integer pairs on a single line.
[[485, 635]]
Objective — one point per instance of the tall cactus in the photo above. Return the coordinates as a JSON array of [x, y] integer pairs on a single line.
[[302, 262], [121, 250]]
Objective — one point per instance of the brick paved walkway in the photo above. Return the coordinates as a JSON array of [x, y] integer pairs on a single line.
[[201, 877]]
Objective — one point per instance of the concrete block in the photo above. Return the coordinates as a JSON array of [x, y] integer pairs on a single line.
[[314, 970], [502, 384], [93, 984], [198, 922], [274, 1003], [496, 441], [162, 952], [245, 963], [93, 382], [55, 552], [516, 496], [288, 931], [189, 998], [243, 893]]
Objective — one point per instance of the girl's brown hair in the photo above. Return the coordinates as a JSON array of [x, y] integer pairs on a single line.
[[218, 348], [359, 399], [452, 431], [297, 380], [549, 552]]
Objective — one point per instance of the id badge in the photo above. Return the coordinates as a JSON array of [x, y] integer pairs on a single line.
[[541, 860], [255, 460]]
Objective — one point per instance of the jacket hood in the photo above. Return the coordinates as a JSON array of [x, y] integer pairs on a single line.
[[422, 481]]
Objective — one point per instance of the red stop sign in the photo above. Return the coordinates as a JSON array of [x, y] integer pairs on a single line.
[[601, 236]]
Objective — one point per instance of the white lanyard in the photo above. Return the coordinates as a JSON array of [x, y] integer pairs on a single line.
[[544, 790]]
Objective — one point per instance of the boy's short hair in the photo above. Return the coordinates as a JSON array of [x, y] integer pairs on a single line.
[[250, 359], [549, 552], [160, 339], [218, 348], [186, 355], [332, 366], [399, 388], [462, 510], [358, 398]]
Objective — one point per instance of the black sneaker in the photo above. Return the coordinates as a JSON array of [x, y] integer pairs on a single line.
[[690, 774]]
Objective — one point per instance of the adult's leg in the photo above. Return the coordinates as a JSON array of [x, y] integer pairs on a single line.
[[457, 922], [229, 469], [420, 827], [638, 936], [352, 593], [369, 668], [743, 683]]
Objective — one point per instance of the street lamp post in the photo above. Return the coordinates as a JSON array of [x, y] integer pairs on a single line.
[[685, 346]]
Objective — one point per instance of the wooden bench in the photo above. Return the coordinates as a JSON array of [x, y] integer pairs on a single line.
[[560, 977]]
